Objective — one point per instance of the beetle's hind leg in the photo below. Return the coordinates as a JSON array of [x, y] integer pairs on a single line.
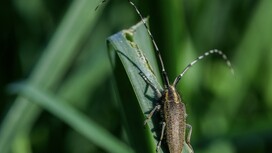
[[188, 139]]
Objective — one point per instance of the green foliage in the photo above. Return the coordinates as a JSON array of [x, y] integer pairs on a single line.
[[70, 103], [135, 54]]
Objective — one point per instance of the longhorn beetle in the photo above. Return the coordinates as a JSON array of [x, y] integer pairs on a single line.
[[170, 104]]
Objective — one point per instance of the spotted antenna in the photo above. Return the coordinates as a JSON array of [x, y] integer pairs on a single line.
[[225, 58], [164, 73]]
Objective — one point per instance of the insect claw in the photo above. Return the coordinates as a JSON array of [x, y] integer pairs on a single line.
[[145, 122], [158, 146]]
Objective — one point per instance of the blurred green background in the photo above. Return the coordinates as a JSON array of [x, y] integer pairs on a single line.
[[59, 49]]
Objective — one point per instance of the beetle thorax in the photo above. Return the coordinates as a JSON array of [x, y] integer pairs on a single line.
[[171, 95]]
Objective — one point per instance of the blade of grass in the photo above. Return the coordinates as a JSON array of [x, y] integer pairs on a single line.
[[230, 92], [255, 43], [135, 56], [50, 68], [74, 119]]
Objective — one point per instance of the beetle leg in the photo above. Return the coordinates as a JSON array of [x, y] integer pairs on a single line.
[[157, 91], [162, 134], [156, 108], [189, 136]]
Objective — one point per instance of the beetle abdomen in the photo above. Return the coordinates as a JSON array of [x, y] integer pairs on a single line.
[[174, 116]]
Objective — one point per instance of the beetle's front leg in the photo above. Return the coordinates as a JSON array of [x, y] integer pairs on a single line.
[[156, 90]]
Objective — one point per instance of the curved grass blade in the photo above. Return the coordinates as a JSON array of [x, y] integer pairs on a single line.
[[74, 118], [135, 56], [50, 69]]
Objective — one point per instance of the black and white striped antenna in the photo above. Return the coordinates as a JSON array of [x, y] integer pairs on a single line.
[[224, 56], [164, 73]]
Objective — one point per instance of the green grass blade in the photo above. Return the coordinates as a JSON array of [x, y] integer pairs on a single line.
[[75, 119], [135, 56], [55, 61]]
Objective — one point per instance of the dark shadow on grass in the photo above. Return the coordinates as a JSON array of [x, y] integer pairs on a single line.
[[157, 118]]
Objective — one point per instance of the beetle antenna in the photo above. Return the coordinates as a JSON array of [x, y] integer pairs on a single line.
[[164, 73], [224, 56]]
